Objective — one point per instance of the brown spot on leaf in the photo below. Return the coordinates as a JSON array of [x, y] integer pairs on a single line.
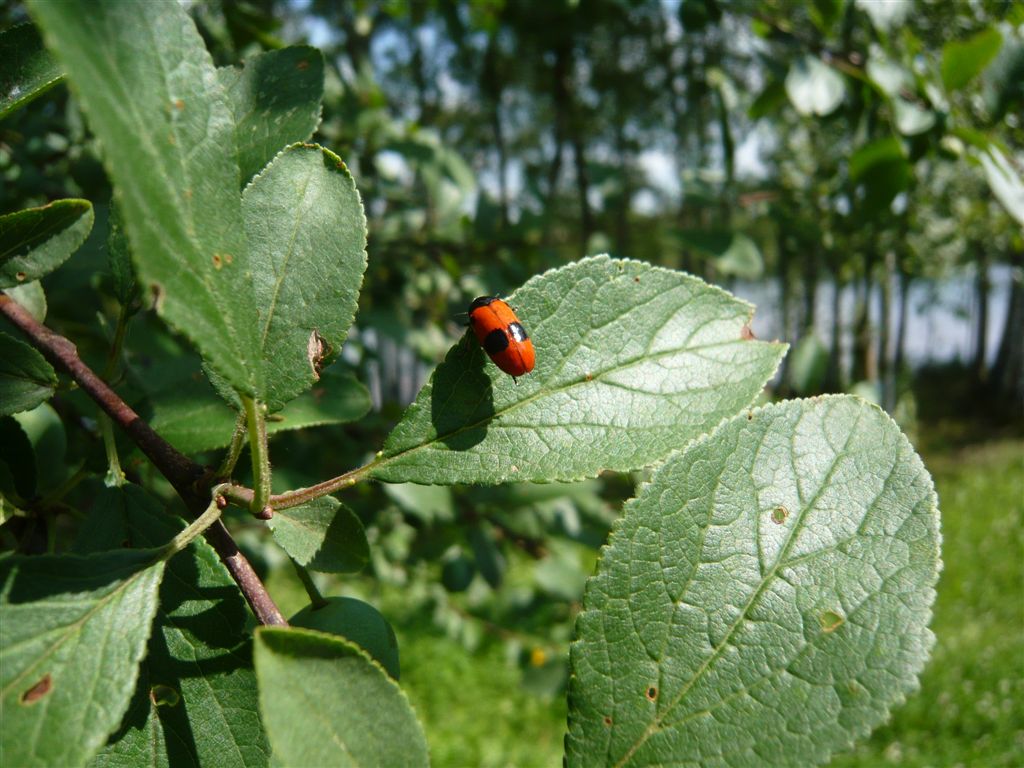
[[218, 262], [746, 333], [228, 258], [302, 65], [317, 349], [779, 515], [37, 691], [651, 693], [831, 621], [179, 104], [607, 721], [20, 275], [158, 296]]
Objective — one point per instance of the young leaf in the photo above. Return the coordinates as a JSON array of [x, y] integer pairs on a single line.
[[26, 379], [276, 99], [326, 703], [32, 297], [632, 361], [196, 684], [36, 241], [765, 600], [168, 136], [323, 535], [72, 632], [356, 621], [308, 233], [814, 87], [126, 284], [962, 61], [192, 418], [27, 70]]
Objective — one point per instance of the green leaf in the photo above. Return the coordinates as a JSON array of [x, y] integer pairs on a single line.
[[26, 379], [962, 61], [322, 535], [765, 600], [45, 431], [72, 632], [126, 284], [17, 459], [882, 168], [357, 622], [196, 699], [325, 703], [305, 221], [1004, 181], [32, 297], [27, 70], [632, 361], [36, 241], [276, 99], [814, 87], [168, 136], [911, 119], [192, 418], [808, 365]]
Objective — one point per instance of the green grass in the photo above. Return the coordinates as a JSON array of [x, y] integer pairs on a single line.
[[969, 711]]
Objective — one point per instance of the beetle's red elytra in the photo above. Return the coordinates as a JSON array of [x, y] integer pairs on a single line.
[[501, 335]]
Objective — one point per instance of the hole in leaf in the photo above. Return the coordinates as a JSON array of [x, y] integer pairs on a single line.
[[779, 515], [830, 621], [37, 691], [746, 333], [20, 275], [217, 261], [651, 693], [164, 696]]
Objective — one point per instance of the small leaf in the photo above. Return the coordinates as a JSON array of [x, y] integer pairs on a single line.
[[45, 431], [814, 87], [32, 297], [36, 241], [183, 214], [126, 284], [882, 168], [18, 459], [72, 633], [962, 61], [489, 560], [197, 677], [911, 119], [1004, 181], [308, 232], [322, 535], [27, 70], [356, 621], [192, 418], [276, 99], [26, 379], [326, 704], [632, 361], [765, 600]]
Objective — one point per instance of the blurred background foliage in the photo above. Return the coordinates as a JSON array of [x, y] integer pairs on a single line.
[[853, 167]]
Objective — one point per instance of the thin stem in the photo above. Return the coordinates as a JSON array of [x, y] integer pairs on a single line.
[[200, 524], [184, 474], [227, 466], [243, 497], [255, 417], [315, 597], [115, 475]]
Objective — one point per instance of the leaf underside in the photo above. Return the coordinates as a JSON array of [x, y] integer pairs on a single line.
[[765, 599]]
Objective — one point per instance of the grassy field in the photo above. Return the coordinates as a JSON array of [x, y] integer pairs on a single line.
[[969, 711]]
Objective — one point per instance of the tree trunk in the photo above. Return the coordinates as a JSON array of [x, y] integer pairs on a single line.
[[786, 328], [1007, 374], [884, 361], [559, 100], [864, 367], [834, 371], [981, 291], [492, 88], [899, 354]]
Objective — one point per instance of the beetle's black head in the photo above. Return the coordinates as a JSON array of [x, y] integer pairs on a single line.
[[481, 301]]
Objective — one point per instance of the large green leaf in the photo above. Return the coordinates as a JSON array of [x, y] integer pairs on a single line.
[[36, 241], [192, 418], [27, 69], [356, 621], [276, 98], [632, 361], [962, 61], [196, 700], [325, 703], [323, 535], [814, 87], [150, 91], [72, 632], [26, 379], [308, 233], [765, 600]]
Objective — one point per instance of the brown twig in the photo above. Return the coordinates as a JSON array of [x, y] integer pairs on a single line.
[[184, 474]]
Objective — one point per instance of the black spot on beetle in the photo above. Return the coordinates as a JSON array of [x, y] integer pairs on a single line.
[[496, 341], [517, 332]]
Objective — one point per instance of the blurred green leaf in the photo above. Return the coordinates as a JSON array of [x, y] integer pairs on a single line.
[[962, 61], [17, 460], [910, 118], [769, 101], [882, 168], [808, 364], [322, 535], [306, 225], [457, 571], [814, 87], [26, 379], [357, 622], [430, 503], [276, 99], [489, 560], [27, 70], [126, 284], [632, 361], [36, 241], [45, 431], [192, 418], [183, 214], [325, 702], [766, 598], [72, 633], [197, 675], [1004, 181]]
